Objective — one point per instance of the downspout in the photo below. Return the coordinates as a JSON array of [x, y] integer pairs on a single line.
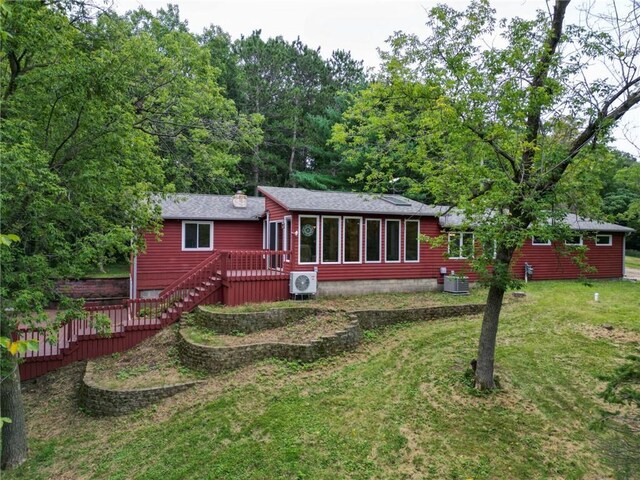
[[134, 279], [624, 253]]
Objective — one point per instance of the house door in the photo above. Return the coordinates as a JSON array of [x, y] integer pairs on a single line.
[[275, 243]]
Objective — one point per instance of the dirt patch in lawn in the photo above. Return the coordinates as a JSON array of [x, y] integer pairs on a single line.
[[304, 331], [608, 332], [153, 363]]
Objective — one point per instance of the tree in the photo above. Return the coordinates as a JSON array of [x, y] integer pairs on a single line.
[[480, 122], [99, 112], [297, 93]]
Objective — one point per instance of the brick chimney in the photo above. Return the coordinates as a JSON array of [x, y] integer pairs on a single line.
[[239, 200]]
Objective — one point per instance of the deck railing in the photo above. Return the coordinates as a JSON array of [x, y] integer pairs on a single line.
[[221, 269]]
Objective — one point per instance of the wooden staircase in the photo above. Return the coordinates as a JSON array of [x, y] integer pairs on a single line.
[[231, 277], [181, 296]]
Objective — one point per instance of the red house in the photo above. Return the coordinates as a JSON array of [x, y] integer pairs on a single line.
[[353, 242], [235, 250]]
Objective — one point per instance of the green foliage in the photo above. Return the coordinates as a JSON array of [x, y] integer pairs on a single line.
[[498, 129], [297, 93]]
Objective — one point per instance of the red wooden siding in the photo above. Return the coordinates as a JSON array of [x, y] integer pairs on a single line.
[[276, 211], [549, 264], [164, 261]]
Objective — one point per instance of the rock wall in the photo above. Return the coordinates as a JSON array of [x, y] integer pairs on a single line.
[[218, 359], [249, 322], [370, 319], [100, 401]]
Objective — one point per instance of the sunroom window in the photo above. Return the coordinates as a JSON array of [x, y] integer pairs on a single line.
[[330, 239], [308, 239], [352, 240], [411, 240]]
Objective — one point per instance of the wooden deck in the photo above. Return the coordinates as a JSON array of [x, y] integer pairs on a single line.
[[219, 279]]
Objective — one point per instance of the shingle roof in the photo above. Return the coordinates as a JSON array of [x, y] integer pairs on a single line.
[[455, 218], [190, 206], [579, 223], [303, 200]]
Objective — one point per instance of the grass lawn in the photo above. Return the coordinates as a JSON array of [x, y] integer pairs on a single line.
[[376, 301], [399, 407], [632, 262]]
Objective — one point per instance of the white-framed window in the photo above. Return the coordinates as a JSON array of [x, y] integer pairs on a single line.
[[373, 241], [352, 240], [461, 245], [412, 240], [308, 239], [604, 240], [286, 238], [574, 241], [492, 247], [331, 239], [538, 241], [392, 241], [197, 236]]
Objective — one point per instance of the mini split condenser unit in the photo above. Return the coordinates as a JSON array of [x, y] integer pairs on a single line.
[[303, 283]]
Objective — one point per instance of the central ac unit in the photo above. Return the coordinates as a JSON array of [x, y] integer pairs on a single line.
[[303, 283], [457, 285]]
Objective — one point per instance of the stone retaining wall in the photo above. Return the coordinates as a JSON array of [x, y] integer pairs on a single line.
[[369, 319], [249, 322], [100, 401], [218, 359]]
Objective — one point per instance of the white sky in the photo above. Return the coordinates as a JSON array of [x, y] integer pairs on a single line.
[[361, 26]]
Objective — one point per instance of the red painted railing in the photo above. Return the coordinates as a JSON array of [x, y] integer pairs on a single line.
[[246, 276]]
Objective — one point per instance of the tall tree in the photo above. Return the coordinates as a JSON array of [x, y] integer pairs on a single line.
[[296, 91], [477, 122], [98, 112]]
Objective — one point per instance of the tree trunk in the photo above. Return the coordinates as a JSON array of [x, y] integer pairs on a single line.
[[14, 434], [256, 170], [292, 157], [487, 344]]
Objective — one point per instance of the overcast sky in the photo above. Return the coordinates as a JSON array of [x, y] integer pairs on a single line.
[[361, 26]]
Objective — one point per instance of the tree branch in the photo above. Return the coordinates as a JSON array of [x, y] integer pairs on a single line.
[[53, 164], [541, 73]]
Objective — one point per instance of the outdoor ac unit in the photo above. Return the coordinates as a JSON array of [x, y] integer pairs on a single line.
[[459, 285], [303, 283]]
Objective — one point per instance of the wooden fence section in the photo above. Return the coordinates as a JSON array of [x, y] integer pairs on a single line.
[[227, 277]]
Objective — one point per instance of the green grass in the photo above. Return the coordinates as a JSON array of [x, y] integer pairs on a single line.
[[116, 270], [400, 407], [632, 262], [363, 302]]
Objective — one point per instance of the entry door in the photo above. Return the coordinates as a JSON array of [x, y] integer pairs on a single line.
[[275, 240]]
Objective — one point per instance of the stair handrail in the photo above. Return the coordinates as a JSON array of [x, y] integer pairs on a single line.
[[169, 290]]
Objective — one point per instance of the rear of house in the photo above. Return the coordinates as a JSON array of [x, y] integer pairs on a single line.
[[348, 242]]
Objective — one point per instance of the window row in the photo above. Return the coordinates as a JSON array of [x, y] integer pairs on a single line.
[[601, 240], [335, 239], [462, 244]]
